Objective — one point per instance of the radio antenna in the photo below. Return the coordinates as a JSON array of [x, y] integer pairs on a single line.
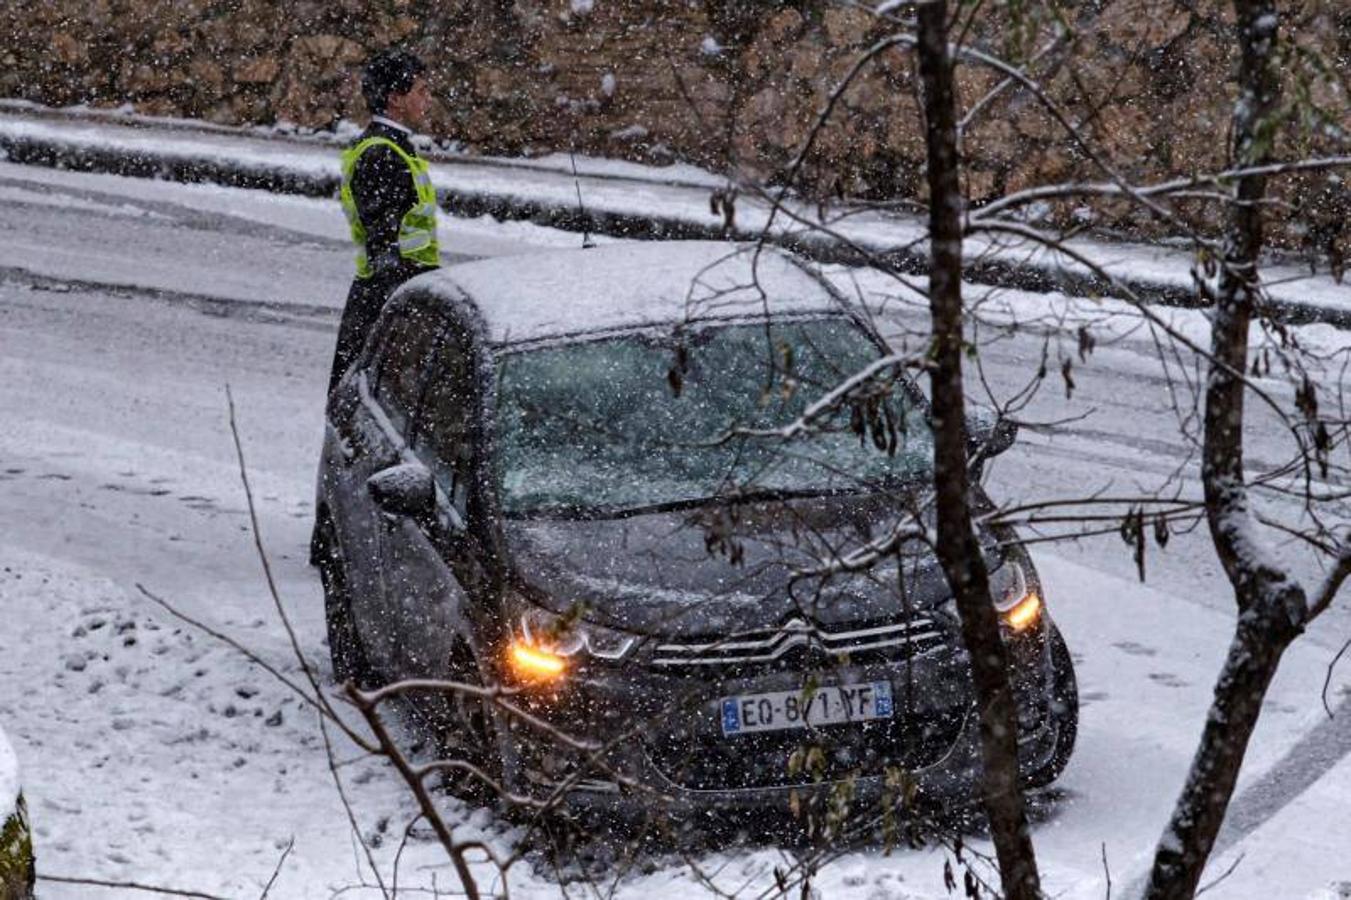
[[587, 243]]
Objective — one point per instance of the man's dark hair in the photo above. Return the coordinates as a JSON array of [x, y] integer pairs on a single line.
[[390, 71]]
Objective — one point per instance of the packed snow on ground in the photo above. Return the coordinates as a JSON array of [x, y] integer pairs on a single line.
[[155, 752]]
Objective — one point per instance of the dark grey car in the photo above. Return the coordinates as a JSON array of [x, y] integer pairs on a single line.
[[576, 474]]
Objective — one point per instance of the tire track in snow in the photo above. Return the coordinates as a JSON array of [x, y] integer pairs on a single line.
[[1324, 746], [302, 315], [116, 206]]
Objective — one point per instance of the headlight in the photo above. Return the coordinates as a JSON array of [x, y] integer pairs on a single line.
[[1019, 606], [545, 643]]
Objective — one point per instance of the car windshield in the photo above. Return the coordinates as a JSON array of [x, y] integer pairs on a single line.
[[637, 421]]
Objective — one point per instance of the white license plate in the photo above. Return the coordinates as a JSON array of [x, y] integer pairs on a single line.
[[830, 705]]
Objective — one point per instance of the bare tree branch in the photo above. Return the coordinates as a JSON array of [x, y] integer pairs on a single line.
[[128, 886], [267, 888]]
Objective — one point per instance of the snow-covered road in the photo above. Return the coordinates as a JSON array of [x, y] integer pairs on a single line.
[[153, 754]]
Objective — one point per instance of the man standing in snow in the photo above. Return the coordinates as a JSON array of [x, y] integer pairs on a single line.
[[387, 196]]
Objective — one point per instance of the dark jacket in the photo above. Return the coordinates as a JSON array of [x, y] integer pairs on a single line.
[[382, 188], [384, 192]]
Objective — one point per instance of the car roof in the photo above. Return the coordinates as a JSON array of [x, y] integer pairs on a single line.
[[534, 297]]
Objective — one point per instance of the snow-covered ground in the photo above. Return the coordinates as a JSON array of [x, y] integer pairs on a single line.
[[9, 777], [152, 753]]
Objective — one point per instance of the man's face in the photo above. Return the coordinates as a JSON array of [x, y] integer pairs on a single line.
[[411, 108]]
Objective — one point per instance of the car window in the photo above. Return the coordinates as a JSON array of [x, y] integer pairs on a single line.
[[608, 425], [445, 438], [402, 362]]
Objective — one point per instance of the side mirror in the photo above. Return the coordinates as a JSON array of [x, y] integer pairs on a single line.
[[403, 490], [988, 436]]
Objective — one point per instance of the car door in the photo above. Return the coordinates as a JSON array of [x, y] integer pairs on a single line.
[[388, 391], [357, 447], [425, 562]]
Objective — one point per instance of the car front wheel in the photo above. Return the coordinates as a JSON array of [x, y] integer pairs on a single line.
[[1064, 712], [466, 734]]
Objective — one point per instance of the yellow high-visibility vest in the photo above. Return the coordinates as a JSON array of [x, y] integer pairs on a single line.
[[417, 230]]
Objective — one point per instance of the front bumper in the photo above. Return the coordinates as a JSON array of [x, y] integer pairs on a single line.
[[664, 750]]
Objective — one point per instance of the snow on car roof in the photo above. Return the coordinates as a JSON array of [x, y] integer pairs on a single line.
[[622, 285], [9, 778]]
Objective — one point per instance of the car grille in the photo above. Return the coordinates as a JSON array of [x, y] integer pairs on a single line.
[[690, 753], [914, 635]]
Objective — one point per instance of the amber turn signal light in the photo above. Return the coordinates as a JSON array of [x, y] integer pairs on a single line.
[[1024, 613], [531, 663]]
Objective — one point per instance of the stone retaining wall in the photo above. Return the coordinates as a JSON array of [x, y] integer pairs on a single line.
[[715, 82]]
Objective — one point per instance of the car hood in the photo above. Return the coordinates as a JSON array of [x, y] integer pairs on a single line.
[[720, 568]]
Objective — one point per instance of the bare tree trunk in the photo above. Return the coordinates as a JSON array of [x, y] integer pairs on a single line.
[[958, 547], [1271, 605]]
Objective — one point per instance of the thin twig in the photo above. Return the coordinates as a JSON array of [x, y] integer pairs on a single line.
[[262, 554], [1227, 872], [325, 710], [1327, 677], [427, 807], [128, 886], [290, 845]]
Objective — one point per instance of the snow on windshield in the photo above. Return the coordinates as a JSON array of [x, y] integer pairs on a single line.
[[642, 420]]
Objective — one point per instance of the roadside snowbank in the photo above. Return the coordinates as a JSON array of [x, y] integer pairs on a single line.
[[9, 777]]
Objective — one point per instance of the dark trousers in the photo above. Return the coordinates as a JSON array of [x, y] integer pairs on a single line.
[[365, 299]]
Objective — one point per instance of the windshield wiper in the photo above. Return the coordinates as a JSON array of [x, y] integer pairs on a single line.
[[760, 495]]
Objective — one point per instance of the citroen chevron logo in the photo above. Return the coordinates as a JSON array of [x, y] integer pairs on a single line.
[[796, 632]]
